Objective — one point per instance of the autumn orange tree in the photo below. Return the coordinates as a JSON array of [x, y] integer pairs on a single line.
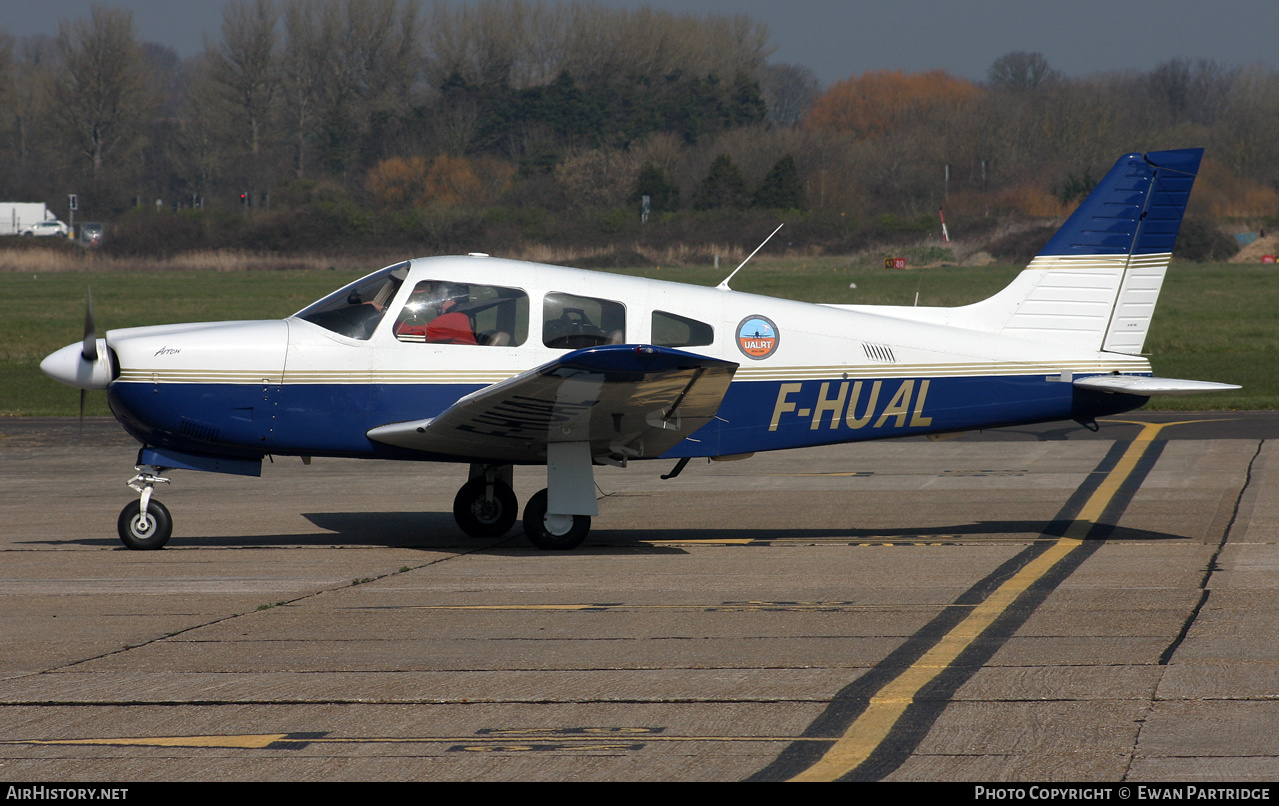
[[446, 181], [398, 181], [881, 101]]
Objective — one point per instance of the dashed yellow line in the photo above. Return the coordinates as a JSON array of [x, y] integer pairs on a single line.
[[745, 605], [249, 741], [264, 740]]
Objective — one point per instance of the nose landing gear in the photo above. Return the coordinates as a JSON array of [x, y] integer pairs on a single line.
[[145, 524]]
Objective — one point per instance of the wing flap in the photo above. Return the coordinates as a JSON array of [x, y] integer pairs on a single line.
[[1148, 386], [626, 400]]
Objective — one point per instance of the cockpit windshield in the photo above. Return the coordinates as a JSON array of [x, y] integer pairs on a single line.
[[355, 310]]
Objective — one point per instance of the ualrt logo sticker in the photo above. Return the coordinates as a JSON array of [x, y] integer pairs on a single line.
[[757, 337]]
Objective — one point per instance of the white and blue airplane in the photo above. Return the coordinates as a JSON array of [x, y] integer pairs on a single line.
[[493, 363]]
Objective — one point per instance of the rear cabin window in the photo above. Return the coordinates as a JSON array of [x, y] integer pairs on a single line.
[[442, 312], [570, 322], [673, 330]]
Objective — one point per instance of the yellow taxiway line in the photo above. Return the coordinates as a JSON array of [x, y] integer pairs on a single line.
[[887, 706]]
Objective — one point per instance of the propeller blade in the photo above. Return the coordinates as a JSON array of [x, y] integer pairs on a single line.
[[83, 392], [90, 350]]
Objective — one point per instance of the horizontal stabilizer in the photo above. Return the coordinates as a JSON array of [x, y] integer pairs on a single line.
[[626, 400], [1147, 386]]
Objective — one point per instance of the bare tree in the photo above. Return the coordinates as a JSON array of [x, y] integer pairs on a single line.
[[306, 47], [525, 44], [99, 93], [789, 90], [201, 155], [1245, 137], [6, 66], [372, 64], [243, 68], [455, 44], [1197, 92], [1020, 71], [28, 161], [7, 70]]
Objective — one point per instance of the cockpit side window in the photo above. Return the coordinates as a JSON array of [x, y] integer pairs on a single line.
[[355, 310], [673, 330], [444, 312], [571, 322]]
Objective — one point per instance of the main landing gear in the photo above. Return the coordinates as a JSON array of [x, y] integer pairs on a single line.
[[486, 507], [145, 524], [553, 532]]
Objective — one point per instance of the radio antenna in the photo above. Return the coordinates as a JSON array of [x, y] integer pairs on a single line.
[[724, 285]]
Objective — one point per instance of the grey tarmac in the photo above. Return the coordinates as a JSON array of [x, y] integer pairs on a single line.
[[743, 621]]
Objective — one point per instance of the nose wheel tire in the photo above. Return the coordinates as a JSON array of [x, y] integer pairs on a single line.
[[553, 532], [480, 516], [145, 533]]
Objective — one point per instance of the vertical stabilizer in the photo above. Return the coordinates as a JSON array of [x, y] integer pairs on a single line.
[[1095, 284]]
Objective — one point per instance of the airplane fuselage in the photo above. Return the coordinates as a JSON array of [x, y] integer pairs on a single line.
[[808, 374]]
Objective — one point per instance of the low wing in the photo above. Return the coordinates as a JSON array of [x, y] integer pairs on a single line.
[[1148, 386], [626, 400]]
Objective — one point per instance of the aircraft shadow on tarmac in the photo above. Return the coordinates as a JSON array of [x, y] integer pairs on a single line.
[[436, 530], [995, 530]]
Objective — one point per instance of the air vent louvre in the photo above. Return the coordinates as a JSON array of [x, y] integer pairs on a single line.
[[880, 353], [194, 430]]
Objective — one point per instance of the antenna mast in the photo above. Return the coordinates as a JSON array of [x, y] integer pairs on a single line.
[[724, 285]]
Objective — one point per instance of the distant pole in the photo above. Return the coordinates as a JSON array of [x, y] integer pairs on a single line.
[[983, 187]]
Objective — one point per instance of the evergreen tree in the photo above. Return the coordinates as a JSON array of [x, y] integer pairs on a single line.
[[781, 189], [569, 111], [746, 105], [722, 187]]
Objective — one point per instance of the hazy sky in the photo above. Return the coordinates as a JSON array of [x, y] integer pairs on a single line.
[[842, 38]]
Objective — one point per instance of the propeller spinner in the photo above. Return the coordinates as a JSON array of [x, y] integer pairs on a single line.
[[85, 364]]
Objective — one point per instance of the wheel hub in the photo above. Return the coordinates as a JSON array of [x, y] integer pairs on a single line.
[[558, 524], [142, 526], [486, 511]]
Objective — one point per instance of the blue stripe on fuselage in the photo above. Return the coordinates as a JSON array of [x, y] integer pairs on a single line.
[[332, 419], [773, 415]]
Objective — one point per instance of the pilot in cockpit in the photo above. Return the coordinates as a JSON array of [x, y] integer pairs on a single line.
[[433, 315]]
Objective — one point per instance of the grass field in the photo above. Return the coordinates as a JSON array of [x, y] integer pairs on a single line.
[[1215, 322]]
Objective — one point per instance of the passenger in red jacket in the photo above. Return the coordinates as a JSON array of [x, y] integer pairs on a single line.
[[450, 325]]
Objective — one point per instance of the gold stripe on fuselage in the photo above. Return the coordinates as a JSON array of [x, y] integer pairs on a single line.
[[745, 373]]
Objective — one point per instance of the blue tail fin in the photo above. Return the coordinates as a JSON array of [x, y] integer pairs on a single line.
[[1136, 209], [1095, 284]]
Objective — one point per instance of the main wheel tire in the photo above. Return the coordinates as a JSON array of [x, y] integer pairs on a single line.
[[479, 517], [544, 535], [145, 534]]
